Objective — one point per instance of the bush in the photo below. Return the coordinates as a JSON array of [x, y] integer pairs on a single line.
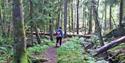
[[72, 52], [37, 49]]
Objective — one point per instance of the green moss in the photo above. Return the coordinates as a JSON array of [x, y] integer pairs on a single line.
[[24, 58]]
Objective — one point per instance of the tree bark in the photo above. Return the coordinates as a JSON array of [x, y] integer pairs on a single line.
[[110, 45], [72, 22], [110, 18], [1, 21], [31, 16], [65, 17], [77, 16], [51, 29], [90, 21], [3, 18], [121, 13], [37, 33], [97, 24], [20, 54], [105, 16]]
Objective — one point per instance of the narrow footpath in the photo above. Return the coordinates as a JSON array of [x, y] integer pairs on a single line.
[[50, 54]]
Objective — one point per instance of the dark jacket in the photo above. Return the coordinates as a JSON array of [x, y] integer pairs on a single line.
[[60, 30]]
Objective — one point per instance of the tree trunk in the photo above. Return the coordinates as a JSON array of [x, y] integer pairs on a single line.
[[58, 21], [37, 33], [72, 22], [110, 45], [83, 18], [20, 54], [59, 14], [3, 18], [0, 20], [77, 16], [31, 15], [105, 26], [110, 18], [97, 24], [61, 18], [65, 17], [70, 13], [90, 21], [51, 29], [121, 13]]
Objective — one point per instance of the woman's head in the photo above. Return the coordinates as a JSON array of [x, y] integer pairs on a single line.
[[60, 27]]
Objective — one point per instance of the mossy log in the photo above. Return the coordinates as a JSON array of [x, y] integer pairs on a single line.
[[110, 45]]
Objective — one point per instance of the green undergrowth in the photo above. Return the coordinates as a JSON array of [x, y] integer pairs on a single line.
[[118, 47], [121, 56], [39, 48], [72, 52], [5, 53], [6, 41]]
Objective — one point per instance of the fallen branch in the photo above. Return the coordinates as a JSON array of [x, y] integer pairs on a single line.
[[110, 45]]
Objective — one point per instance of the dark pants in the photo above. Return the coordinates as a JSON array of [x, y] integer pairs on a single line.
[[58, 40]]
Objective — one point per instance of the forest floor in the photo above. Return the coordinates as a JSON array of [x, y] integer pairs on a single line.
[[51, 54]]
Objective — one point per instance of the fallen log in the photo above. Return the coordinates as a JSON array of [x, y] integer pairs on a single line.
[[68, 35], [110, 45]]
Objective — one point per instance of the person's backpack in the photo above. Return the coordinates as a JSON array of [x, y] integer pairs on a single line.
[[58, 34]]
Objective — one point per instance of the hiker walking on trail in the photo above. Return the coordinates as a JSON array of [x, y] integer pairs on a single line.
[[59, 35]]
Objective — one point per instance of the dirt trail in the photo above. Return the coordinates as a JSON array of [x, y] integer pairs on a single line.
[[51, 55]]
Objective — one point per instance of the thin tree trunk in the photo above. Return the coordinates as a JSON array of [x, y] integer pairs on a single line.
[[72, 24], [51, 28], [65, 17], [37, 33], [114, 21], [105, 16], [20, 55], [58, 21], [61, 19], [77, 16], [69, 23], [110, 19], [97, 24], [31, 15], [0, 20], [90, 21], [3, 18], [83, 26], [121, 13]]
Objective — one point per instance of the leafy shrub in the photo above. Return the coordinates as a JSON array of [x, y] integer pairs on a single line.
[[5, 53], [47, 42], [72, 52], [37, 49], [7, 41]]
